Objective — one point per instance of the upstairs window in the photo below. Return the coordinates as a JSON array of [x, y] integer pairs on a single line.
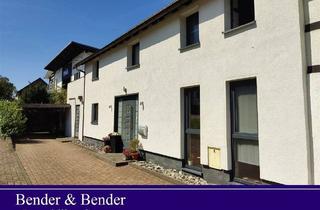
[[192, 29], [95, 71], [94, 114], [76, 76], [242, 12], [135, 59], [66, 75]]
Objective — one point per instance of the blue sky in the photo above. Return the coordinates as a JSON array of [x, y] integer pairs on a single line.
[[32, 32]]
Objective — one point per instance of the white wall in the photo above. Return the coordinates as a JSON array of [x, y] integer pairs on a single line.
[[312, 15], [75, 89], [77, 59], [271, 52], [315, 110]]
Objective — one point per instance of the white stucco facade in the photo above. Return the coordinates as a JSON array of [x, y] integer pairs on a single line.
[[271, 50], [312, 15], [75, 89], [74, 93]]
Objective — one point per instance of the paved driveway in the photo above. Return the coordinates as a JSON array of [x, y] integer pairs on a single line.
[[48, 161]]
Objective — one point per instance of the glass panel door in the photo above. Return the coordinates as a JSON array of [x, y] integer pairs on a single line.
[[244, 122], [192, 128], [77, 121], [127, 118]]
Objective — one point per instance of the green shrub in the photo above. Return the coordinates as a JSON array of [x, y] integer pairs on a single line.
[[12, 120], [7, 89], [133, 145], [58, 96]]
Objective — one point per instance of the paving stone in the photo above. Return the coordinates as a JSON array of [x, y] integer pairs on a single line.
[[11, 170], [48, 161]]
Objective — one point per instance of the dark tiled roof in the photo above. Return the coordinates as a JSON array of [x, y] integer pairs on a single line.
[[39, 80], [67, 54]]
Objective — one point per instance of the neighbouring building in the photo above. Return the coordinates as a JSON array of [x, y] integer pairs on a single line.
[[61, 72], [38, 83], [225, 89]]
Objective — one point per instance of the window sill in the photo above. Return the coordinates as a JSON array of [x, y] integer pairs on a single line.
[[189, 47], [133, 67], [241, 28], [94, 123], [95, 79]]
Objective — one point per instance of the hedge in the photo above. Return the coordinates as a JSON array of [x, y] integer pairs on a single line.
[[12, 119]]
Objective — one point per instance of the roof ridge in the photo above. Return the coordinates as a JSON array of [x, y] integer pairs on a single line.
[[172, 7]]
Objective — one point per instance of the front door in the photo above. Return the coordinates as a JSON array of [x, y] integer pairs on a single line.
[[244, 122], [127, 118], [192, 128], [77, 121]]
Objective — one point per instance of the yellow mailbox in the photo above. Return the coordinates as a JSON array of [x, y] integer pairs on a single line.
[[214, 155]]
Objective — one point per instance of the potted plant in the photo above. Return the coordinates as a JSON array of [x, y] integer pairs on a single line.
[[134, 143], [106, 140], [190, 160], [132, 152], [127, 154], [114, 141]]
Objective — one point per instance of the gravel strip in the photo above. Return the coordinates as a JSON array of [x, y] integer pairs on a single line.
[[172, 173], [86, 145]]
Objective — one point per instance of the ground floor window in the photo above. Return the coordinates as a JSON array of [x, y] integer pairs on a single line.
[[77, 121], [192, 127], [94, 114], [244, 123]]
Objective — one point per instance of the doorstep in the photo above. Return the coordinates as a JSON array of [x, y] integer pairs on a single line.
[[192, 171], [66, 140], [115, 159]]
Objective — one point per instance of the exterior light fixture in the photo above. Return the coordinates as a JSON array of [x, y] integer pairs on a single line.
[[142, 105], [80, 99], [125, 90]]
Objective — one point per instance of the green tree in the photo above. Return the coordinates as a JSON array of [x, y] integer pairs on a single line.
[[12, 119], [35, 94], [7, 89], [58, 96]]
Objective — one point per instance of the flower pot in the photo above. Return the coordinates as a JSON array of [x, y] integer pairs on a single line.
[[135, 155]]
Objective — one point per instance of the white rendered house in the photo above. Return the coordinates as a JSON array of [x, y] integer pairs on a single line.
[[225, 89], [61, 71]]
